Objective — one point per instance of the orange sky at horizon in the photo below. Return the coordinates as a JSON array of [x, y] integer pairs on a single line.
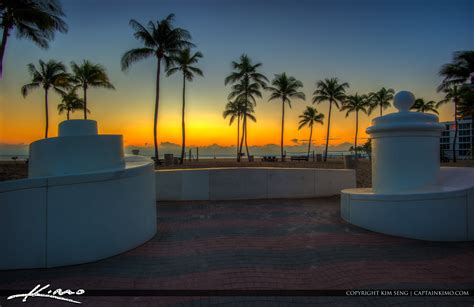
[[23, 122]]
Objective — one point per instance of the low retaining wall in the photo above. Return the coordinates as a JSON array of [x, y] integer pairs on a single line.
[[251, 183], [56, 221], [444, 212]]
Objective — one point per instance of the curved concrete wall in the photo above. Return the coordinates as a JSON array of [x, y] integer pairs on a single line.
[[444, 212], [56, 221], [75, 155], [251, 183]]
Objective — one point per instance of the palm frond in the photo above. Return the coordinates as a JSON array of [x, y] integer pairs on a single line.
[[34, 20], [135, 55], [26, 89]]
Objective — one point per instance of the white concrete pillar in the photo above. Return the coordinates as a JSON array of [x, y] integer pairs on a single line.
[[77, 150], [74, 127], [405, 148]]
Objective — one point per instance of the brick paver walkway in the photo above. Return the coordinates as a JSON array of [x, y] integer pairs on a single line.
[[266, 244]]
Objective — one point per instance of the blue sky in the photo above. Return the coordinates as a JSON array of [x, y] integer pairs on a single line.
[[398, 44]]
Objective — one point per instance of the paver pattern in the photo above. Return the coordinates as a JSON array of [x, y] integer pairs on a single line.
[[262, 244]]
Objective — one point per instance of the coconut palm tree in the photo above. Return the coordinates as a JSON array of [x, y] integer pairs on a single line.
[[333, 91], [367, 148], [88, 75], [183, 62], [233, 109], [466, 109], [162, 41], [49, 75], [308, 118], [459, 71], [33, 20], [452, 93], [425, 106], [380, 99], [355, 104], [248, 82], [454, 74], [247, 94], [236, 110], [70, 102], [285, 88]]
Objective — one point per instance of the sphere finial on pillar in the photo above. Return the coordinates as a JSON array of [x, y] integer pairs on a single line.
[[403, 101]]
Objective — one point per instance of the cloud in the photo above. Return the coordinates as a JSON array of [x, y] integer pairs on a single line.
[[168, 144], [13, 149], [230, 151]]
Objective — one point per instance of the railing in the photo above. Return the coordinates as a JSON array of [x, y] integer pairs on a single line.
[[461, 154]]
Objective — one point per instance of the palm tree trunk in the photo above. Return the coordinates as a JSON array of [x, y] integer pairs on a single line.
[[282, 128], [310, 138], [67, 114], [85, 101], [327, 134], [246, 132], [380, 110], [157, 103], [246, 145], [46, 112], [244, 121], [183, 128], [355, 139], [455, 128], [238, 136], [3, 46]]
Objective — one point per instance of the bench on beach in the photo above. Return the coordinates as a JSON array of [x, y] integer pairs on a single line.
[[299, 158], [269, 159], [159, 162]]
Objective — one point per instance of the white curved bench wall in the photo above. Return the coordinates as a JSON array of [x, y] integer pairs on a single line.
[[251, 183], [56, 221], [75, 155], [443, 213]]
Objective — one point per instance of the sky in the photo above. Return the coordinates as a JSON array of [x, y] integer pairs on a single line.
[[368, 43]]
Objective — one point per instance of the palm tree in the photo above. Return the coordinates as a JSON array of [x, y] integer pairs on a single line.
[[380, 99], [88, 75], [247, 94], [334, 92], [454, 75], [163, 41], [367, 148], [452, 93], [425, 106], [356, 103], [458, 71], [49, 75], [466, 109], [236, 109], [33, 20], [183, 62], [70, 102], [309, 117], [285, 88], [247, 84]]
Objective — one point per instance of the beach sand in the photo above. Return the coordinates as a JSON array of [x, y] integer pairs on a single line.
[[10, 170]]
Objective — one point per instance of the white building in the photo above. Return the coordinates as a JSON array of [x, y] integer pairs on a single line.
[[463, 142]]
